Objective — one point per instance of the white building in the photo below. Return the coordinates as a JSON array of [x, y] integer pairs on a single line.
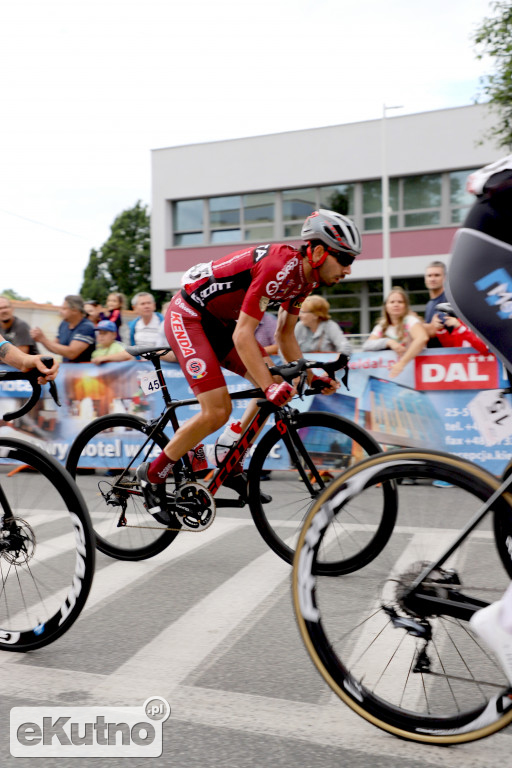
[[213, 198]]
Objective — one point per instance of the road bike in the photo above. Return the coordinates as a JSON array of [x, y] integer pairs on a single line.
[[298, 455], [392, 640], [47, 551]]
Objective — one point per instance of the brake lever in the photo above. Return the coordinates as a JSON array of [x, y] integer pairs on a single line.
[[302, 381], [54, 392]]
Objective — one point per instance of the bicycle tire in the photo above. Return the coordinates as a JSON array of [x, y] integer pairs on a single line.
[[360, 539], [99, 455], [358, 630], [47, 553]]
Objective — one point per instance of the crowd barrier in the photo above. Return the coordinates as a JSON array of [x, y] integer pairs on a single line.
[[446, 399]]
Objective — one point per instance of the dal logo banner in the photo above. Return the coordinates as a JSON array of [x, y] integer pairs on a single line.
[[456, 372]]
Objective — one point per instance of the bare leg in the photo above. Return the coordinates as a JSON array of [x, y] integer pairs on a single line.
[[215, 411]]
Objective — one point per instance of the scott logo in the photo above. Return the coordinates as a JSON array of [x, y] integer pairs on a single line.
[[501, 294], [456, 372]]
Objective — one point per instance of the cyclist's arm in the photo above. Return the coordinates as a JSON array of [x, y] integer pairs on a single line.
[[249, 350], [11, 355], [285, 336]]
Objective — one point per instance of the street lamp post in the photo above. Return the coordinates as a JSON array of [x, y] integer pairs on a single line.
[[386, 239]]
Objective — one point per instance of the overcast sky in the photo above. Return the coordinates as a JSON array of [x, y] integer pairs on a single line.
[[89, 87]]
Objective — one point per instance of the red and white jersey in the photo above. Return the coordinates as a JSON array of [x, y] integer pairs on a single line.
[[248, 281]]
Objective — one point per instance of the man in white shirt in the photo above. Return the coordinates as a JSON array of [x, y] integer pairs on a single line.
[[144, 330]]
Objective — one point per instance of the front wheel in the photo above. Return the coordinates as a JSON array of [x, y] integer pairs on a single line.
[[47, 550], [293, 463], [103, 460], [392, 640]]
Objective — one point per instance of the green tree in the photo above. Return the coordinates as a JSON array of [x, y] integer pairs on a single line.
[[493, 39], [9, 293], [122, 264]]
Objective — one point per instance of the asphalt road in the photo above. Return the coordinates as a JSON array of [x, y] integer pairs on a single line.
[[208, 626]]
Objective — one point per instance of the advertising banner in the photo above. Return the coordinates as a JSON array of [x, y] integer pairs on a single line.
[[446, 399]]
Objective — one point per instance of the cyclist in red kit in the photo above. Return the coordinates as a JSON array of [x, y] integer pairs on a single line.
[[211, 324]]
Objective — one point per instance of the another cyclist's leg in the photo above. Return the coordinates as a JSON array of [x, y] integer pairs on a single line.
[[494, 625]]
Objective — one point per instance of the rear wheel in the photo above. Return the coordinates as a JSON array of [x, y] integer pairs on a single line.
[[103, 460], [46, 548], [311, 450], [410, 666]]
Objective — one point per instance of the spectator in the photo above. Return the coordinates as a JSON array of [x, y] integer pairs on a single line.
[[94, 311], [435, 275], [75, 337], [15, 330], [108, 349], [455, 334], [316, 332], [265, 333], [145, 329], [115, 305], [398, 329]]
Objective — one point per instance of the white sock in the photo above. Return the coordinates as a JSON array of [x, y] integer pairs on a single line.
[[505, 615]]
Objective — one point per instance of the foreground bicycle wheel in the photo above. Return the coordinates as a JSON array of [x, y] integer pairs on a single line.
[[314, 449], [103, 460], [414, 671], [46, 548]]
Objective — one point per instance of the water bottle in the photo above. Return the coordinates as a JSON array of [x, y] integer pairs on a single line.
[[230, 436]]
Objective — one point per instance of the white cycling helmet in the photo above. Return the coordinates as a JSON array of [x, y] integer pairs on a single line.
[[337, 232]]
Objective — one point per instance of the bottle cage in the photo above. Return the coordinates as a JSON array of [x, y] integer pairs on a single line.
[[480, 288]]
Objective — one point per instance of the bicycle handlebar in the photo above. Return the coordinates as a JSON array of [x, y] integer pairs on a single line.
[[298, 368], [31, 377]]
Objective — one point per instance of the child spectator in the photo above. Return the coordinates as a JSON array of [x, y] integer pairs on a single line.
[[108, 349], [115, 305]]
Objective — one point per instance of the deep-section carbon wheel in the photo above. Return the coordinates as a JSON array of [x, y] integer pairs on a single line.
[[313, 449], [46, 548], [402, 657], [103, 460]]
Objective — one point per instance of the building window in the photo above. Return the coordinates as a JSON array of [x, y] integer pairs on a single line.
[[338, 197], [427, 200], [460, 199], [372, 204], [188, 222], [422, 200], [297, 205], [258, 216], [225, 219]]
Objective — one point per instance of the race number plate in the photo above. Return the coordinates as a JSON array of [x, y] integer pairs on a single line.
[[149, 384]]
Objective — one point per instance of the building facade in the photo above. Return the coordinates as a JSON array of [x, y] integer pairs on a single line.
[[212, 198]]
